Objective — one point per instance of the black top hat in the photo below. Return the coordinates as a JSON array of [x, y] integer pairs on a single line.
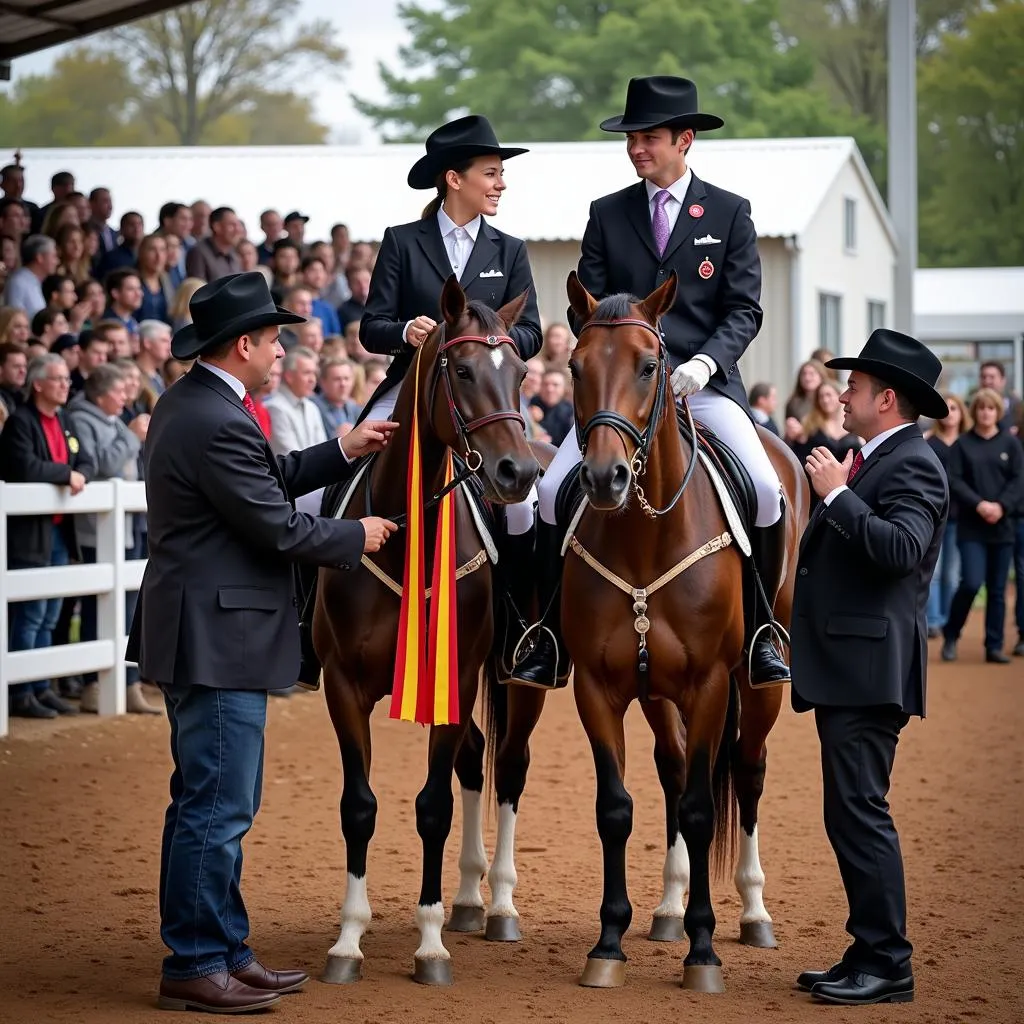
[[454, 143], [228, 308], [661, 101], [905, 365]]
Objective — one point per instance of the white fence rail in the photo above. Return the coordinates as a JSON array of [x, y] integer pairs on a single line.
[[109, 579]]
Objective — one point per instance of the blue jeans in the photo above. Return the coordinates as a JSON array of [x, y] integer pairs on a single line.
[[217, 750], [945, 579], [988, 564], [33, 622]]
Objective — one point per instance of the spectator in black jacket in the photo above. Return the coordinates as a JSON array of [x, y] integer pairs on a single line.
[[763, 400], [946, 578], [36, 446], [1018, 550], [13, 367], [986, 476], [557, 418]]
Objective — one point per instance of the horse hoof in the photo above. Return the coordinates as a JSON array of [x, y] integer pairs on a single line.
[[342, 970], [466, 919], [758, 933], [703, 978], [667, 929], [502, 929], [603, 973], [433, 972]]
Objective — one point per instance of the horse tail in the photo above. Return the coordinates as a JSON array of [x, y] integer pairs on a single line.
[[723, 787]]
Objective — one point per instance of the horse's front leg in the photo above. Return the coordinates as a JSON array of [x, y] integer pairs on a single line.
[[468, 909]]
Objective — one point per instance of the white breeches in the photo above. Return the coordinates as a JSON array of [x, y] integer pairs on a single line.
[[727, 420], [519, 516]]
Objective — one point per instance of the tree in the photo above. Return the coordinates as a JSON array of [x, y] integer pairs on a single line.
[[972, 135], [553, 69], [206, 61]]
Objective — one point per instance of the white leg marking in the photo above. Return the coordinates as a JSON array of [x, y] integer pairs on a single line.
[[502, 876], [676, 877], [749, 879], [429, 920], [473, 856], [355, 916]]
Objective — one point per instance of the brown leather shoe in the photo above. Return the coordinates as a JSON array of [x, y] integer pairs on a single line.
[[255, 975], [216, 993]]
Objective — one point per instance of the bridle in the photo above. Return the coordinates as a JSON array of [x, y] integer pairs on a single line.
[[472, 459], [642, 438]]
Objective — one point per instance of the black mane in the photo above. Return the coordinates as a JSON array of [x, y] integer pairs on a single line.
[[616, 307], [488, 321]]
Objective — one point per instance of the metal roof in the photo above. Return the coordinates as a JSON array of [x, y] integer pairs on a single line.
[[30, 25], [549, 194], [969, 303]]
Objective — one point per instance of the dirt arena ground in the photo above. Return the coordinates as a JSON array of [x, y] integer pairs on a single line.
[[82, 806]]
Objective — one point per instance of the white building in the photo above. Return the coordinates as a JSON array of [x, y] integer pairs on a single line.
[[826, 241]]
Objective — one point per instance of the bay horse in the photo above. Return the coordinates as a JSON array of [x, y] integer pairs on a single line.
[[468, 401], [710, 726]]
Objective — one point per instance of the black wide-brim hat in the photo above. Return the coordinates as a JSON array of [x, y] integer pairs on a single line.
[[454, 143], [662, 101], [905, 365], [228, 308]]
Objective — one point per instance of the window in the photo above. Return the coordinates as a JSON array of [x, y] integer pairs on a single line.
[[850, 225], [876, 315], [829, 313]]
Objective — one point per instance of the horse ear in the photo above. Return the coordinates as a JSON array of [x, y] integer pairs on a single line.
[[513, 310], [582, 302], [660, 300], [453, 300]]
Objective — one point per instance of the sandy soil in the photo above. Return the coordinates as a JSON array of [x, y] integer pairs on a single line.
[[83, 801]]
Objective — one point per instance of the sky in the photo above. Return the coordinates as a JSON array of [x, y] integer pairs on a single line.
[[370, 32]]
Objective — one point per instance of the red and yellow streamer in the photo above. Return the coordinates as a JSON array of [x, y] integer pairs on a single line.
[[426, 682]]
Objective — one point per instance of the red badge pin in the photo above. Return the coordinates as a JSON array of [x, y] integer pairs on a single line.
[[706, 269], [696, 210]]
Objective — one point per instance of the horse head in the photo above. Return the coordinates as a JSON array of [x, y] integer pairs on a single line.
[[620, 386], [472, 392]]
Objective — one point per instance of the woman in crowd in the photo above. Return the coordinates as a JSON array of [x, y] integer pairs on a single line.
[[157, 293], [557, 347], [14, 325], [946, 577], [58, 216], [823, 427], [809, 378], [178, 311], [92, 292], [986, 479], [74, 262]]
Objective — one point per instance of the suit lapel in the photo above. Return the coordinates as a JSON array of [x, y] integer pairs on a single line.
[[483, 255], [638, 209], [685, 224], [433, 247]]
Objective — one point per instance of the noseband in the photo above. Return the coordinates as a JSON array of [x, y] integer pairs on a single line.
[[643, 438]]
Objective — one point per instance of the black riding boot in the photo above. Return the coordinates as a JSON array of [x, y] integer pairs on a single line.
[[516, 559], [309, 665], [768, 545], [547, 665]]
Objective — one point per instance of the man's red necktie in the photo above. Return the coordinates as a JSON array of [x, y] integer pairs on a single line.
[[250, 406], [858, 461]]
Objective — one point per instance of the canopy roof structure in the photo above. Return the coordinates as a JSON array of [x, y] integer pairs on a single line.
[[30, 25]]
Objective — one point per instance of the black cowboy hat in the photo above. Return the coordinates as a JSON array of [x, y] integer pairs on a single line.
[[454, 143], [228, 308], [661, 101], [904, 364]]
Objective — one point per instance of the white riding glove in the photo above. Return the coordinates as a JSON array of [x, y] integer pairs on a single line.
[[690, 378]]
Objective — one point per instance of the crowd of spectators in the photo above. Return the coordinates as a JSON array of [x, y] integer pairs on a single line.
[[86, 319]]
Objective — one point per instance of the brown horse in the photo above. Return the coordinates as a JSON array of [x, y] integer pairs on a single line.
[[678, 646], [469, 381]]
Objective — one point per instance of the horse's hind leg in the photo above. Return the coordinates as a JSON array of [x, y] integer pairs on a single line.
[[434, 808], [468, 909], [358, 818], [759, 710], [510, 767], [669, 758]]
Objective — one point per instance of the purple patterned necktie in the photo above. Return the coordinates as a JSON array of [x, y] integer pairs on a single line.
[[661, 231]]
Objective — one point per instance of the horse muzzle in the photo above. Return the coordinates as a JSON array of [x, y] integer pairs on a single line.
[[510, 477], [606, 484]]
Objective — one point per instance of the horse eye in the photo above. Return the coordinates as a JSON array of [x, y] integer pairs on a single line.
[[648, 370], [463, 373]]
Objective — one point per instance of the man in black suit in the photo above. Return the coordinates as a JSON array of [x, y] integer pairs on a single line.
[[635, 238], [216, 624], [859, 643]]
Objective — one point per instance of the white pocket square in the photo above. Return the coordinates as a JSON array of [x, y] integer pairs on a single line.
[[491, 273], [707, 240]]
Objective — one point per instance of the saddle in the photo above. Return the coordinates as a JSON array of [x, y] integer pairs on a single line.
[[731, 475]]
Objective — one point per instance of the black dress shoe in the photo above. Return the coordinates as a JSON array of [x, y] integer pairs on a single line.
[[29, 707], [997, 658], [949, 650], [50, 700], [808, 979], [859, 989]]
